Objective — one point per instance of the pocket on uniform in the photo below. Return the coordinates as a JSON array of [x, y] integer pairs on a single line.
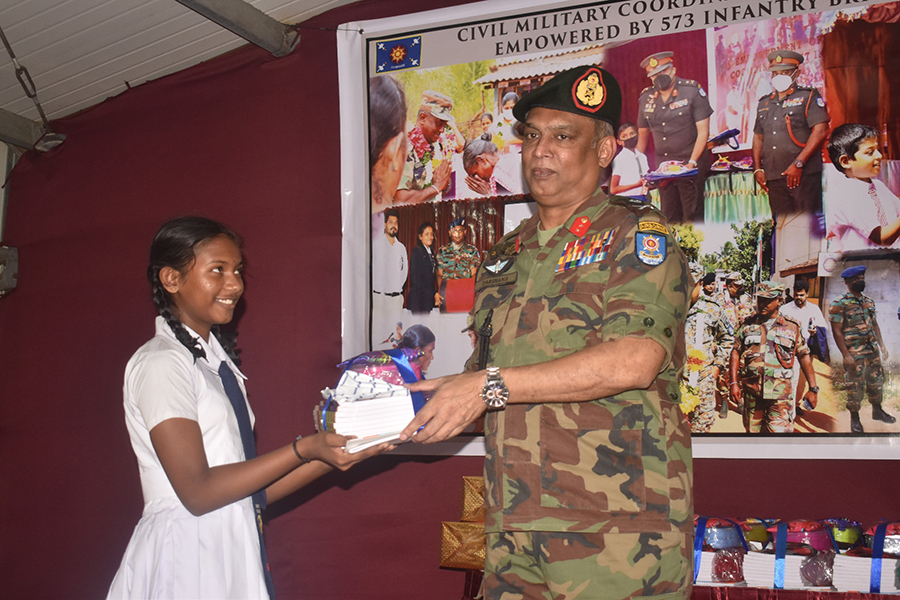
[[591, 467]]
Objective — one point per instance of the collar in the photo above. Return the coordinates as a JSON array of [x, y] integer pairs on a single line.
[[575, 226], [215, 353]]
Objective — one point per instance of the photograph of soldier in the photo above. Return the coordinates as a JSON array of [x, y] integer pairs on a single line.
[[766, 346], [791, 124], [709, 337], [432, 141], [390, 266], [456, 264], [676, 112], [810, 318], [862, 213], [858, 337], [594, 286]]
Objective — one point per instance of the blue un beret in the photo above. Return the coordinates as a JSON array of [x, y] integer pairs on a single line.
[[853, 271]]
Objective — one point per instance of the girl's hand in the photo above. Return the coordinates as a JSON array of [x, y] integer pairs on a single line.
[[329, 448]]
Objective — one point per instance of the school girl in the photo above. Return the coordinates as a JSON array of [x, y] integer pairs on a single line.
[[191, 430]]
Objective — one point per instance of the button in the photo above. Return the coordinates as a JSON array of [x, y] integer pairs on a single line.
[[649, 322], [673, 396], [668, 331], [664, 139]]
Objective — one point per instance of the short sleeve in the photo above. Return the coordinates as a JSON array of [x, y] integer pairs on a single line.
[[757, 125], [836, 312], [700, 106], [162, 384], [642, 117], [644, 299], [817, 112]]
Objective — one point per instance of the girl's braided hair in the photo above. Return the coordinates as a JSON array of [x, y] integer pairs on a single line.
[[175, 246]]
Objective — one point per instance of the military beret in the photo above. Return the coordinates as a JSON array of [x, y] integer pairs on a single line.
[[437, 104], [588, 91], [460, 222], [769, 289], [657, 62], [784, 60], [709, 278], [697, 270], [853, 271]]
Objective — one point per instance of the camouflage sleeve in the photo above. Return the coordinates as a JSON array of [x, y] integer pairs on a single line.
[[802, 347], [648, 290], [724, 340], [836, 312], [440, 261], [407, 179]]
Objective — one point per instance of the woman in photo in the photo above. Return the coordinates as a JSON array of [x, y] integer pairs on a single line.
[[422, 291]]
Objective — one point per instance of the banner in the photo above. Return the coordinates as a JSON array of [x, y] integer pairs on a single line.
[[438, 181]]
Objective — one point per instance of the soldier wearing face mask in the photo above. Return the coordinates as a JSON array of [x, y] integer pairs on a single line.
[[791, 124], [676, 111], [858, 337]]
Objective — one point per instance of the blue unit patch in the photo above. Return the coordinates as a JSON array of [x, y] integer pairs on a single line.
[[650, 248]]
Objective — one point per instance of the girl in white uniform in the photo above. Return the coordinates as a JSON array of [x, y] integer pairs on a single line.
[[198, 535]]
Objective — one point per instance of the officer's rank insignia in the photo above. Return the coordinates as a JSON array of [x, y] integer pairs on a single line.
[[580, 226], [653, 226], [585, 251], [650, 248], [589, 91]]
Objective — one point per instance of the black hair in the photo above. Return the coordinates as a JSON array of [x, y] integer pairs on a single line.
[[421, 230], [625, 126], [416, 336], [846, 140], [387, 114], [391, 212], [801, 285], [488, 115], [509, 96], [175, 246], [477, 147]]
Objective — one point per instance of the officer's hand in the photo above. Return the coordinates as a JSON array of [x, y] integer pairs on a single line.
[[792, 175], [849, 363], [456, 403], [736, 394], [761, 180], [442, 175]]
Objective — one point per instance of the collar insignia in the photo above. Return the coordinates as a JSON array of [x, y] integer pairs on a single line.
[[580, 226]]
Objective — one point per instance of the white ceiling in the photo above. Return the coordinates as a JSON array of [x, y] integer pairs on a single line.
[[80, 52]]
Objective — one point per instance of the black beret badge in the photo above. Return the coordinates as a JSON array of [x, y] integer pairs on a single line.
[[589, 91]]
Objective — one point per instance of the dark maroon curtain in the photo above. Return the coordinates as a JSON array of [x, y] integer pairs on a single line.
[[253, 141]]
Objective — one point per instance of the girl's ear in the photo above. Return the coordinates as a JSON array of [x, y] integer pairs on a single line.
[[170, 279]]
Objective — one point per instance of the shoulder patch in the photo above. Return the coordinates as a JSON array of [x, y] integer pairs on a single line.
[[650, 248], [820, 101]]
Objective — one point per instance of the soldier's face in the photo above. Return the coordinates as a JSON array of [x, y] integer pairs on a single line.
[[560, 160], [709, 288], [431, 127], [457, 234], [767, 307], [800, 298]]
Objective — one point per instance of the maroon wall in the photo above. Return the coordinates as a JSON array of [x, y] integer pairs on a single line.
[[253, 141]]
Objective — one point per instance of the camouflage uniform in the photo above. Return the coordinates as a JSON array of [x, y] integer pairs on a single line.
[[709, 338], [767, 353], [608, 479], [456, 263], [736, 310], [856, 318]]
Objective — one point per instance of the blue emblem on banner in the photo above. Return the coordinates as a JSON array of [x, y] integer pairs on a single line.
[[650, 248], [395, 55]]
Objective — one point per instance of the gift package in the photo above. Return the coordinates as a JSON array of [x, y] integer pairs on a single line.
[[812, 555], [463, 543]]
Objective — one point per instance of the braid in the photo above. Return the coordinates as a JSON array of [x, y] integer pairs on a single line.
[[161, 300], [228, 341]]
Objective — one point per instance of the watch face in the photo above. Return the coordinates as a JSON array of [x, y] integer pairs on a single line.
[[495, 395]]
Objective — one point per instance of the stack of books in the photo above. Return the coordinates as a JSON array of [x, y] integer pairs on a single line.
[[371, 410], [854, 574]]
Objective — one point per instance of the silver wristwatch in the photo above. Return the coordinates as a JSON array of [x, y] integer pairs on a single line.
[[494, 393]]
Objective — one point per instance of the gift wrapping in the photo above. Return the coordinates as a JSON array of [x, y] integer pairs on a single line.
[[473, 500], [462, 545]]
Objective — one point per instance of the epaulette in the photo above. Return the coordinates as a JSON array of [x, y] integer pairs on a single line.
[[634, 204], [645, 90], [764, 96], [791, 319], [506, 245], [687, 82]]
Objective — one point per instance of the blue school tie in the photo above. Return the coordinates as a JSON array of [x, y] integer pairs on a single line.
[[239, 404]]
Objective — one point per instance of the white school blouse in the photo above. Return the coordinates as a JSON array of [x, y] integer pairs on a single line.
[[172, 553]]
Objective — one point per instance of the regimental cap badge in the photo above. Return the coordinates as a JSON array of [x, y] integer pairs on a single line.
[[784, 60], [589, 92], [653, 63]]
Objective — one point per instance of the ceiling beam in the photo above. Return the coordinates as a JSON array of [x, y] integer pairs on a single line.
[[18, 130], [249, 22]]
